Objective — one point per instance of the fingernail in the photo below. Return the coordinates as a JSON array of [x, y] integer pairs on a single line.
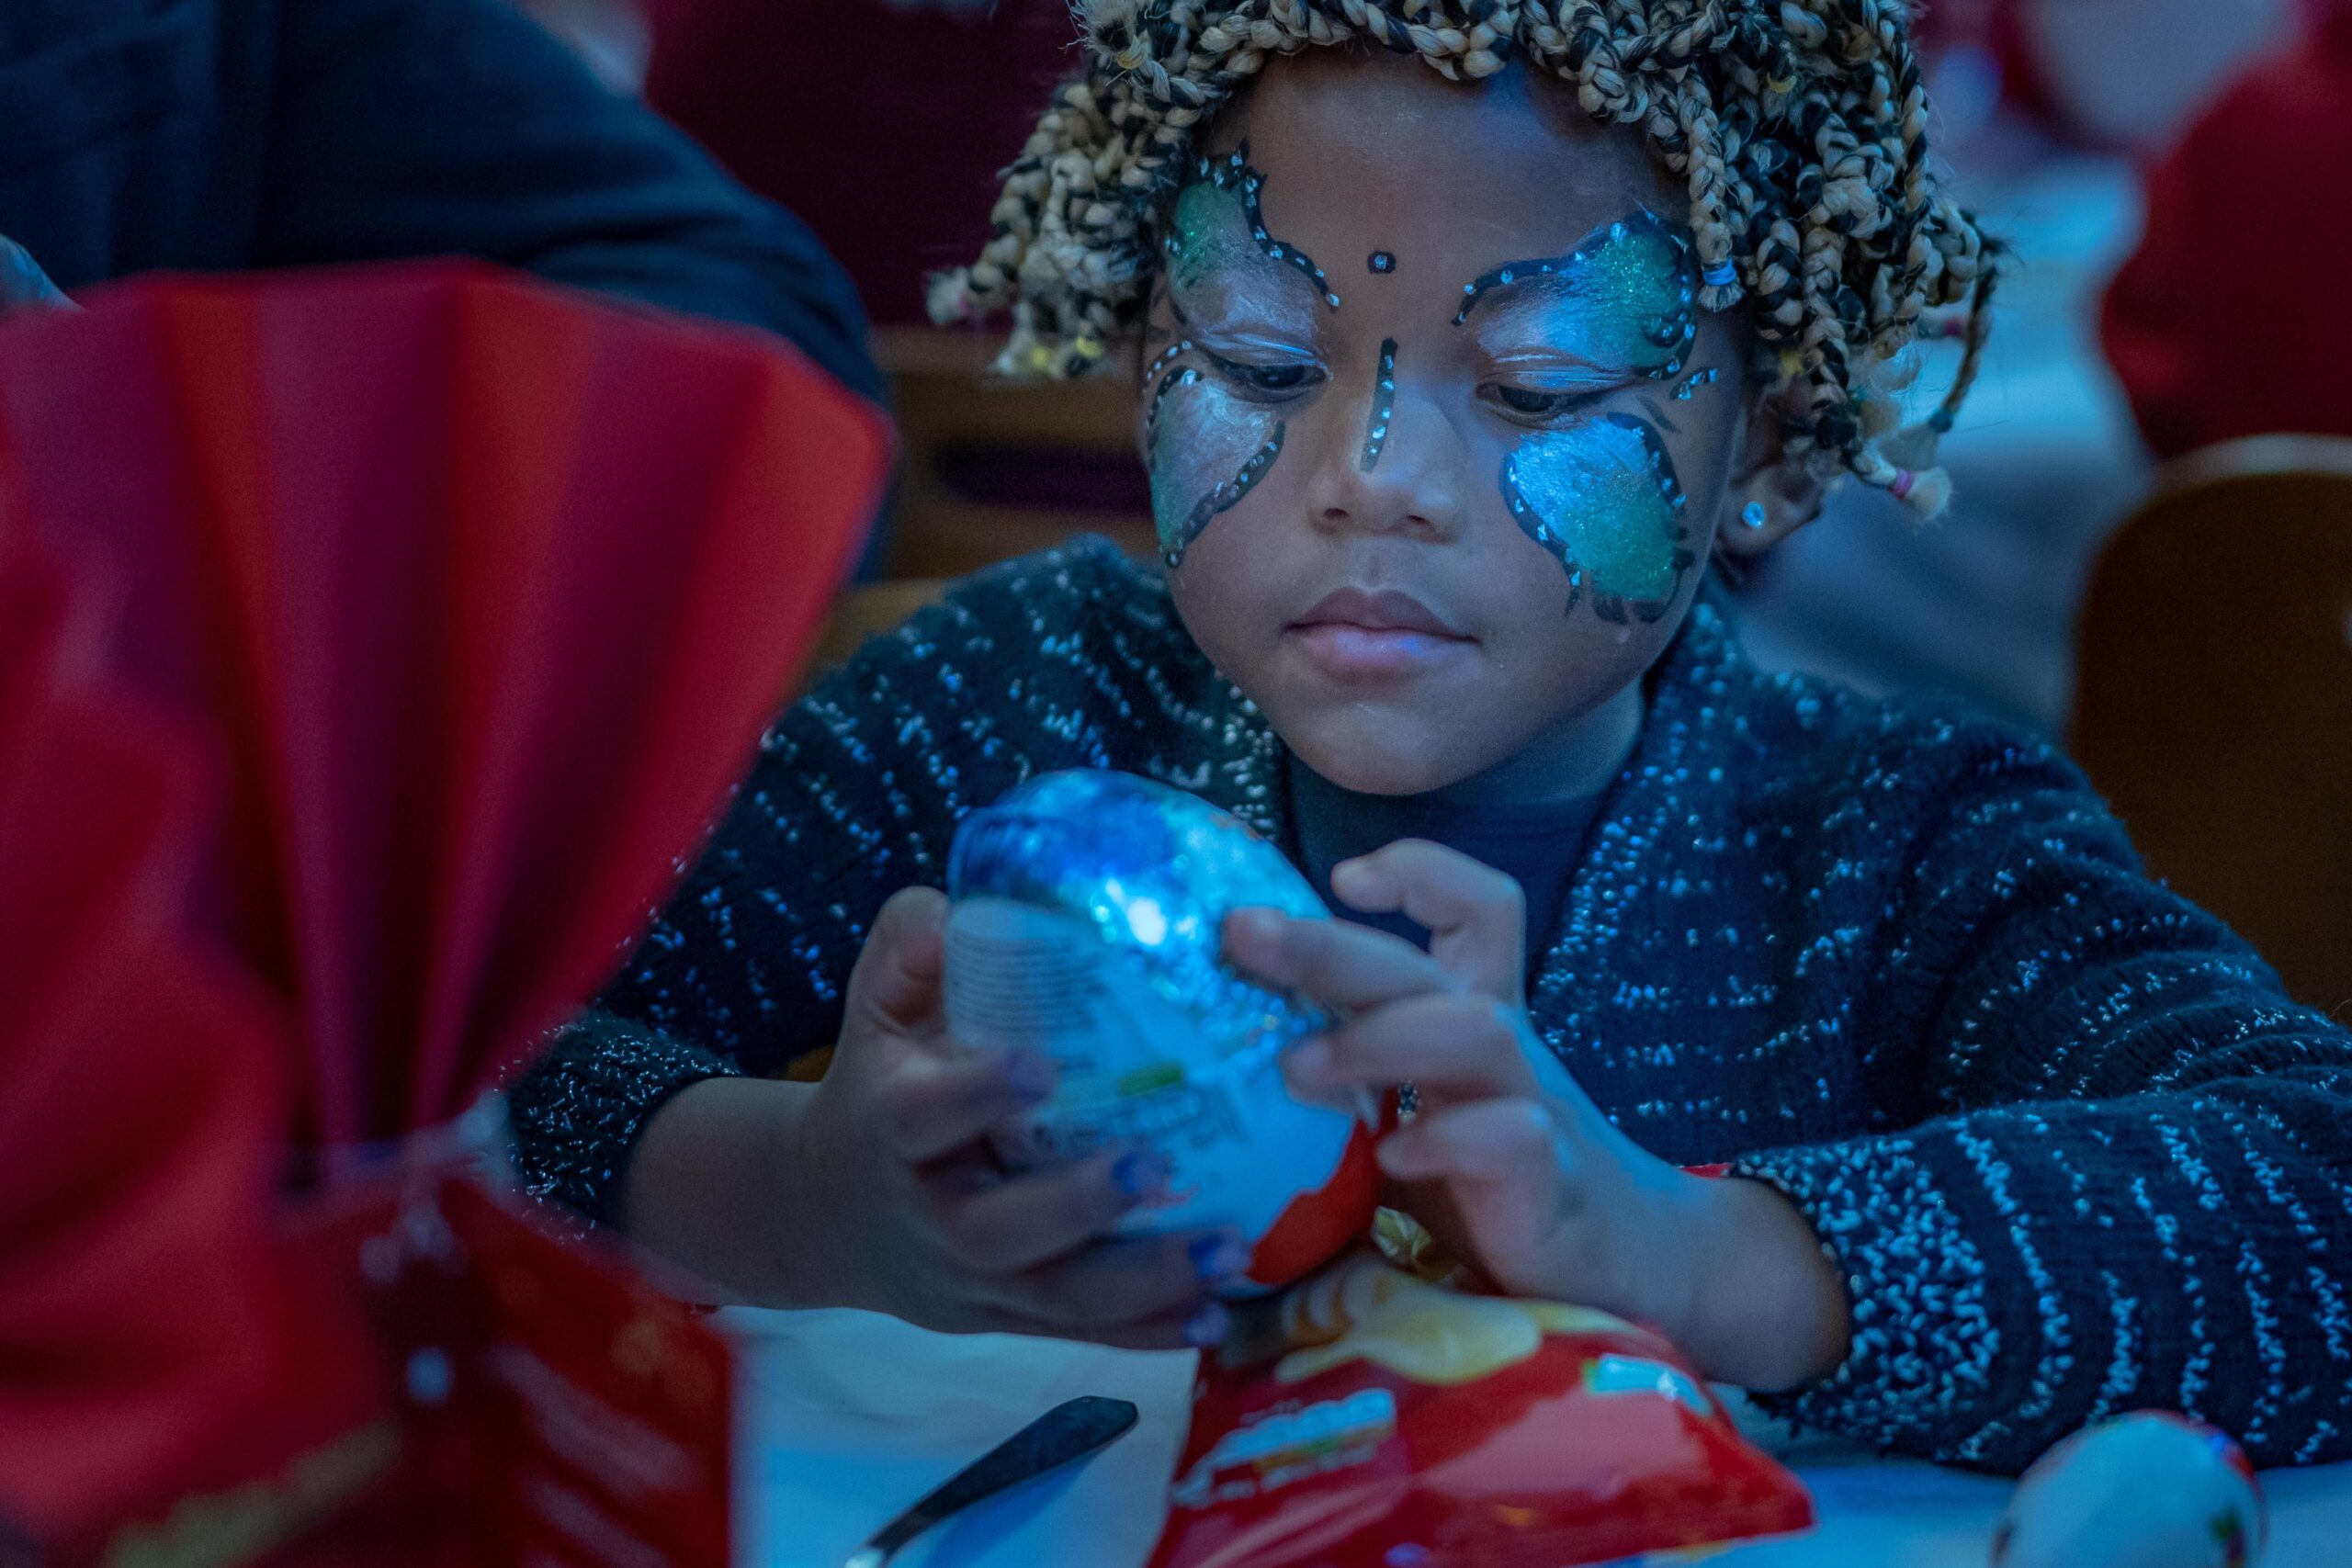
[[1140, 1174], [1218, 1257], [1257, 925], [1031, 1075], [1206, 1328]]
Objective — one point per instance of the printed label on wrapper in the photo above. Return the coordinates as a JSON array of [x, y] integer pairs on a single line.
[[1089, 927]]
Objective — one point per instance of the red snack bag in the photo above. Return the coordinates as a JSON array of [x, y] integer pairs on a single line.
[[1403, 1424]]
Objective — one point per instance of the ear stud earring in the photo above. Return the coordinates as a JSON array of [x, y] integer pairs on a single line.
[[1753, 515]]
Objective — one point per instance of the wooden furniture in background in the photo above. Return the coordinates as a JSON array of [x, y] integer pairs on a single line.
[[2213, 699], [954, 413]]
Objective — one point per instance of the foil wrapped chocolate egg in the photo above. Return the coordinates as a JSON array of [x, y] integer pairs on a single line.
[[2147, 1490], [1088, 924]]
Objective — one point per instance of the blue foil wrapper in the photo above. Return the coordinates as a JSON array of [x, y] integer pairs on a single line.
[[1155, 872]]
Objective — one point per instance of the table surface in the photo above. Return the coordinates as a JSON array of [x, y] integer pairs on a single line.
[[848, 1417]]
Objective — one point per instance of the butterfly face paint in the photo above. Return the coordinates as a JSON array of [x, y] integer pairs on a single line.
[[1245, 305], [1598, 490], [1691, 384], [1209, 448], [1603, 497]]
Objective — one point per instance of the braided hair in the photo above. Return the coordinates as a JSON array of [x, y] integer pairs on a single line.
[[1799, 128]]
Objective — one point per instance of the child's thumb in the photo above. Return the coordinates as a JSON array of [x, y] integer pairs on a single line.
[[894, 990]]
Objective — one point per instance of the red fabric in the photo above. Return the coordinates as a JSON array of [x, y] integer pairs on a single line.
[[2228, 319], [153, 1336], [882, 127], [487, 589]]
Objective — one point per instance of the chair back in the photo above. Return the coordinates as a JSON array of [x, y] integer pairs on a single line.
[[2213, 698], [991, 468]]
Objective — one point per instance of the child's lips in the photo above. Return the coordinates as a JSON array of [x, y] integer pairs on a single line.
[[1358, 632], [1351, 651]]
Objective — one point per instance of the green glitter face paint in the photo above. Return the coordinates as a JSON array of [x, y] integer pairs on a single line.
[[1598, 490], [1247, 305], [1623, 299], [1220, 257], [1210, 447], [1601, 496]]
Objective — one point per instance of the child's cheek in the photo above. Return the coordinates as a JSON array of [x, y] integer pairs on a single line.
[[1209, 448], [1602, 498]]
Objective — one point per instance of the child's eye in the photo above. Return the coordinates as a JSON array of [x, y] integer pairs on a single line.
[[1269, 380], [1533, 405]]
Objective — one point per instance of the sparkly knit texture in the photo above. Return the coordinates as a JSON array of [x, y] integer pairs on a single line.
[[2070, 1147]]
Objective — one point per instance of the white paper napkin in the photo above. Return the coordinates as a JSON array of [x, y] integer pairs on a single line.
[[846, 1417]]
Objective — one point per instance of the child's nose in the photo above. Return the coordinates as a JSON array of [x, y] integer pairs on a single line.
[[1390, 460]]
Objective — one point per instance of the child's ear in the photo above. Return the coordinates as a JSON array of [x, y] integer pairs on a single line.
[[1771, 495]]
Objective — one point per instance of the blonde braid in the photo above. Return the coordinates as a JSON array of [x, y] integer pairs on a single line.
[[1799, 128]]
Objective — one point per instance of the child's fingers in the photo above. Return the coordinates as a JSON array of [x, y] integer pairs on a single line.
[[893, 986], [1127, 1283], [1456, 1045], [1341, 967], [1030, 1219], [1502, 1146], [1193, 1327], [1476, 915], [1452, 1047], [930, 1105]]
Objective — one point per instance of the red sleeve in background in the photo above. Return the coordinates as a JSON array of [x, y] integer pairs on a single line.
[[2230, 317]]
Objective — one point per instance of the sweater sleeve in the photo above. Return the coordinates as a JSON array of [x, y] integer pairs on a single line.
[[2132, 1185], [411, 128], [854, 794]]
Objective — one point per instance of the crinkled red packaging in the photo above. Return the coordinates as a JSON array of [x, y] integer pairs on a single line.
[[1399, 1424]]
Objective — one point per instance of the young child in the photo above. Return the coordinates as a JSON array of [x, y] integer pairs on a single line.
[[1455, 381]]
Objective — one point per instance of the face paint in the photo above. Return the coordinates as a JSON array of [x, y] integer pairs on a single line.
[[1217, 237], [1382, 261], [1621, 300], [1603, 497], [1234, 289], [1164, 358], [1384, 402], [1210, 445], [1693, 383], [1599, 493]]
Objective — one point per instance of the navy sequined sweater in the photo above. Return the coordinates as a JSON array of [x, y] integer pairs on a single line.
[[2070, 1147]]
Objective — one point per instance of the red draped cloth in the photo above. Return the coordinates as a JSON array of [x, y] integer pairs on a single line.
[[374, 648]]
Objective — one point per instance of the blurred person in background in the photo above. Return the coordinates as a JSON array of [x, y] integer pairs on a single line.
[[222, 135], [611, 37], [2252, 208], [2049, 109], [913, 150]]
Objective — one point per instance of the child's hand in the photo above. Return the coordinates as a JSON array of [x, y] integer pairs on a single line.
[[921, 1223], [1507, 1158], [874, 1187]]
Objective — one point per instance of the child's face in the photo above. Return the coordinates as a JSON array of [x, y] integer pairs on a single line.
[[1435, 525]]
